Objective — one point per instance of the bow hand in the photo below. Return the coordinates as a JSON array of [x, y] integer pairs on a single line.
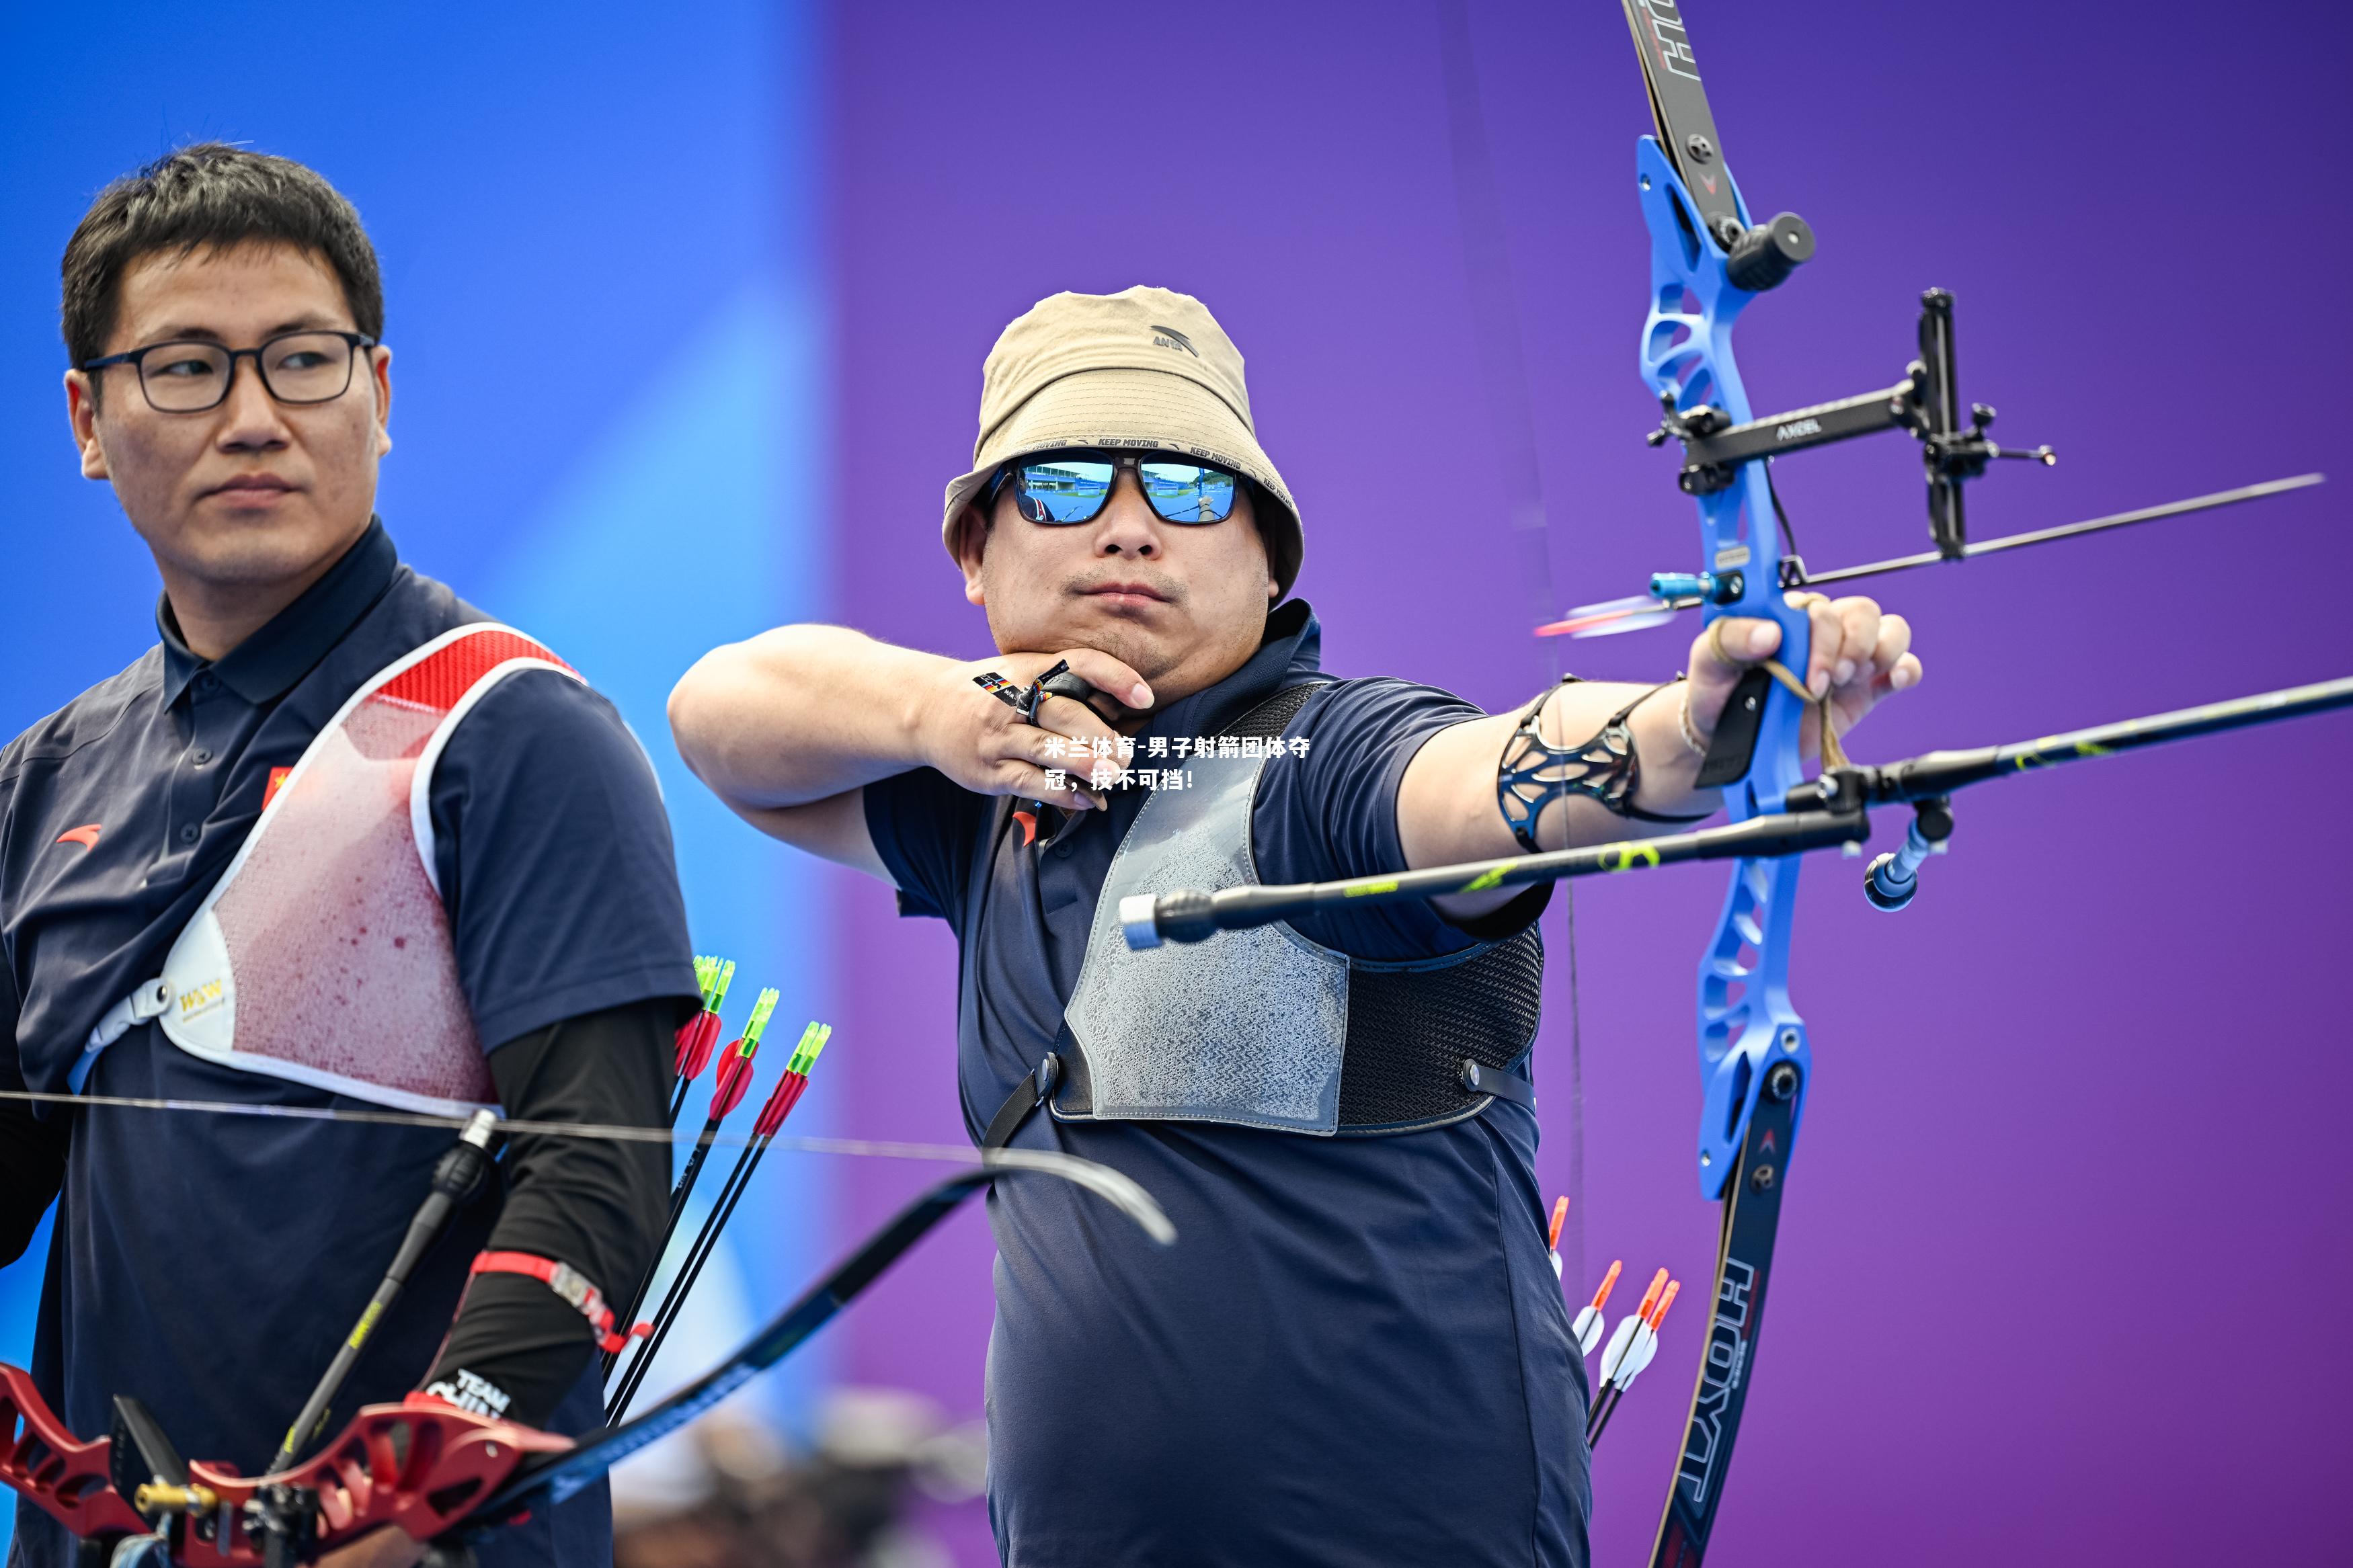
[[1858, 656]]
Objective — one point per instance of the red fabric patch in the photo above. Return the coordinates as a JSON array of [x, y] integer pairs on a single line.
[[277, 782], [437, 680], [86, 835]]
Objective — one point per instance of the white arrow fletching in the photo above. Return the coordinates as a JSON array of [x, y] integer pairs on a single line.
[[1620, 1341], [1588, 1329], [1646, 1345], [1610, 618]]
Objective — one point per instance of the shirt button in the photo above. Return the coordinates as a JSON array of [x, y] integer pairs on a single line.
[[209, 681], [200, 756], [187, 833]]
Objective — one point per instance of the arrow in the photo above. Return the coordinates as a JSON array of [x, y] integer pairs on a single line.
[[790, 1085], [1588, 1326], [699, 1033], [1671, 593], [1638, 1355], [1621, 1342], [734, 1078]]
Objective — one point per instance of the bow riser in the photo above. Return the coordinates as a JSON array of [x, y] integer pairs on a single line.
[[423, 1469], [67, 1479], [1746, 1021]]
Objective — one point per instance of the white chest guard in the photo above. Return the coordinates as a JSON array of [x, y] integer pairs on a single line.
[[323, 954]]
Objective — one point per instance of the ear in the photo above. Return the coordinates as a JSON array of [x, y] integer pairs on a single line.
[[380, 377], [82, 416], [971, 549]]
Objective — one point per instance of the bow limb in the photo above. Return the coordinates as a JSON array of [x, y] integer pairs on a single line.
[[557, 1477]]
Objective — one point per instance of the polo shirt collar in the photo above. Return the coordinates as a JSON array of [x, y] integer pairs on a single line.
[[265, 666]]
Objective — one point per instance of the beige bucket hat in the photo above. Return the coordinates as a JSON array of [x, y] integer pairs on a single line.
[[1141, 368]]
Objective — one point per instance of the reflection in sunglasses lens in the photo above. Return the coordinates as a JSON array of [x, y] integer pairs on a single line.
[[1065, 491], [1188, 492], [1072, 490]]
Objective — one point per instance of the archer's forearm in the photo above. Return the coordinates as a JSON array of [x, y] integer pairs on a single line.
[[802, 713], [1447, 810], [593, 1203]]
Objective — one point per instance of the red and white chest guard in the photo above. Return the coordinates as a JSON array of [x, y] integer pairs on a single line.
[[323, 954]]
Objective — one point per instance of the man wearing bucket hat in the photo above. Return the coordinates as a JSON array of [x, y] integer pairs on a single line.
[[1356, 1352]]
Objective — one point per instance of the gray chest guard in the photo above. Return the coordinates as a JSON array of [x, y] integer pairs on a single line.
[[1265, 1029]]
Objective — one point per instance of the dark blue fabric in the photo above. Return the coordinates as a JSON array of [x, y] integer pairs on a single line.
[[209, 1265], [1356, 1352]]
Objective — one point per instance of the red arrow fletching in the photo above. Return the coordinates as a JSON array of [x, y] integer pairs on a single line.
[[781, 1100], [735, 1079], [698, 1055]]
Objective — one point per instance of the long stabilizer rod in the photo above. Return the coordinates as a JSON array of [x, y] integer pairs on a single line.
[[1826, 811]]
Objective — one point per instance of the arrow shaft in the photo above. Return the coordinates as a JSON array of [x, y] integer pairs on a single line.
[[706, 1240], [678, 1197]]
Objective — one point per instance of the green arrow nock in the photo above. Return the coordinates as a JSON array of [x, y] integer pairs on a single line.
[[813, 1039], [721, 977], [758, 1025]]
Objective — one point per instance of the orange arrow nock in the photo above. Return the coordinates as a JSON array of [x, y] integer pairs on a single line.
[[1665, 1301], [1608, 1282], [1650, 1296]]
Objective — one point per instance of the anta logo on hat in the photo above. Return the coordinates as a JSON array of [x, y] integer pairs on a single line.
[[1170, 338]]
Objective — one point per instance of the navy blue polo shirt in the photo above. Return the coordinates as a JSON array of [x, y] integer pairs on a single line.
[[1357, 1351], [210, 1265]]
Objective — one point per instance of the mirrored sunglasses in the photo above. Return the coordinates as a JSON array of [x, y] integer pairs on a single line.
[[1061, 489]]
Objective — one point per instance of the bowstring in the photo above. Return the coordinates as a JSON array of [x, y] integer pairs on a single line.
[[872, 1148], [1498, 333]]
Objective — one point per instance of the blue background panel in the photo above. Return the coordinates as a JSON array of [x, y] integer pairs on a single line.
[[607, 322]]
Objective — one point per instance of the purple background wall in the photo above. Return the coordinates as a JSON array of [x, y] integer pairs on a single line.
[[2066, 1249]]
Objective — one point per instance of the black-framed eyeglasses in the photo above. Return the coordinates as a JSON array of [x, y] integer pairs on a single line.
[[1061, 489], [188, 376]]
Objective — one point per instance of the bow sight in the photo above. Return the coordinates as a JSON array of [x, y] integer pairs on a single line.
[[1760, 256], [1925, 403]]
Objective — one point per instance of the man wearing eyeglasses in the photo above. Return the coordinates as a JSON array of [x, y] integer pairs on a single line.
[[1357, 1351], [336, 843]]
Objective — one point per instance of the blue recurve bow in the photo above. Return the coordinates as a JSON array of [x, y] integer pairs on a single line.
[[1754, 1059], [1708, 260]]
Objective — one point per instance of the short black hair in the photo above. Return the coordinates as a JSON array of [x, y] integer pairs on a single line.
[[209, 194]]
